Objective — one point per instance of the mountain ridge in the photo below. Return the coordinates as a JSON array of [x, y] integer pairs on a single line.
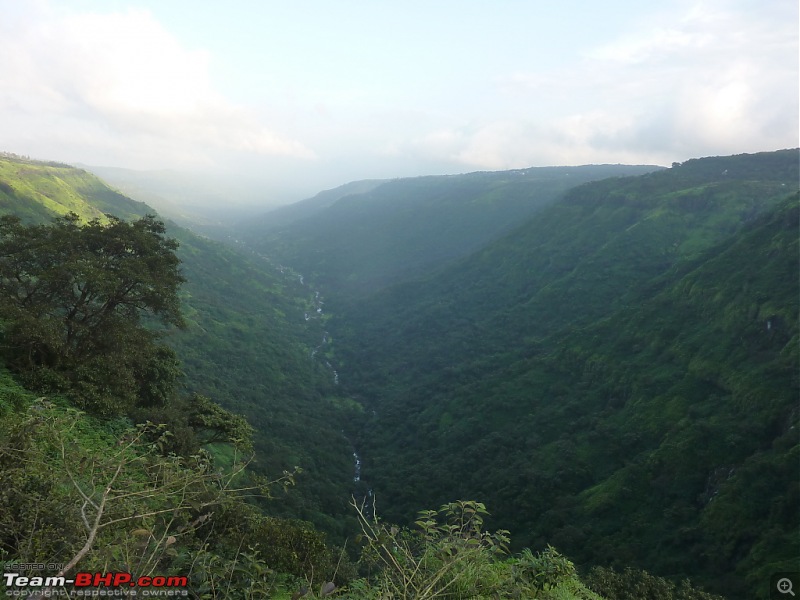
[[495, 378], [362, 242]]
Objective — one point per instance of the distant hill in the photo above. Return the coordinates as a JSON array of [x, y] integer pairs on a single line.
[[208, 206], [285, 215], [618, 376], [366, 235]]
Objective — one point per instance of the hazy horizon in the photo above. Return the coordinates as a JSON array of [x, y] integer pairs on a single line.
[[278, 101]]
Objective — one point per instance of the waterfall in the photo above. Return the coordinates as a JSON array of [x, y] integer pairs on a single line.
[[356, 467]]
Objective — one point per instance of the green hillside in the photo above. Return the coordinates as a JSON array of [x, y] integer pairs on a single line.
[[246, 344], [309, 208], [249, 347], [36, 191], [356, 239], [594, 250], [617, 377], [105, 465]]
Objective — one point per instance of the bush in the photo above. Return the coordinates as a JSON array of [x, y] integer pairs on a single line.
[[451, 556], [633, 584]]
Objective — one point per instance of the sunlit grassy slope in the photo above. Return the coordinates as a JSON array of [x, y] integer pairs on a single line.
[[37, 191]]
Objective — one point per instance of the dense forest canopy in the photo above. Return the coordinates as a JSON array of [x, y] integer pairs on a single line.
[[611, 367], [81, 301], [610, 376]]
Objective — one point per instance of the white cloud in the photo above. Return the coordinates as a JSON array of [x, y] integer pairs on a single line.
[[709, 80], [653, 83], [125, 86], [646, 47]]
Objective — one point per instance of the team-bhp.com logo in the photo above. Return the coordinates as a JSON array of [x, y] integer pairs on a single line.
[[94, 584]]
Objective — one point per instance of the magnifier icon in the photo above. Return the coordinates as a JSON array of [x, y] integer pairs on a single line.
[[785, 586]]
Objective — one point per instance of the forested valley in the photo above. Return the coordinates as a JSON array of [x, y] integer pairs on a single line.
[[566, 382]]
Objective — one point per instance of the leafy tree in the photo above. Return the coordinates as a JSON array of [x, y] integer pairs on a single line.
[[194, 421], [214, 424], [73, 300]]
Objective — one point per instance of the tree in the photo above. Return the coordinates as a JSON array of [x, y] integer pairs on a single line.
[[73, 302]]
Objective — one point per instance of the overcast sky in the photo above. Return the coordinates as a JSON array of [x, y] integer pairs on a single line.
[[308, 94]]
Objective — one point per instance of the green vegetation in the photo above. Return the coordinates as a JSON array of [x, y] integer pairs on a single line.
[[617, 377], [101, 495], [94, 492], [246, 345], [450, 555], [73, 298], [640, 585], [36, 191]]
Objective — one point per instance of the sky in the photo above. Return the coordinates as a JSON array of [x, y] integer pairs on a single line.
[[302, 95]]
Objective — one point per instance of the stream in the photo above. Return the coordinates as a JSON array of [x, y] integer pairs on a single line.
[[316, 312]]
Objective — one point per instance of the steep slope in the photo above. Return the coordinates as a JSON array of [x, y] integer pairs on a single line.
[[247, 345], [365, 240], [36, 190], [593, 251], [617, 377], [648, 438]]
